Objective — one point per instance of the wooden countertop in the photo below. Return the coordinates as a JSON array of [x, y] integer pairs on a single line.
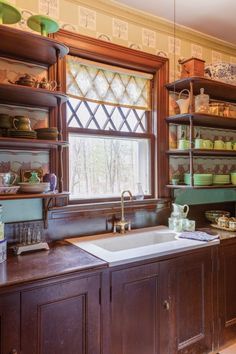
[[62, 258]]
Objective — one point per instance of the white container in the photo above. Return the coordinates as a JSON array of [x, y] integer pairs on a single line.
[[3, 250]]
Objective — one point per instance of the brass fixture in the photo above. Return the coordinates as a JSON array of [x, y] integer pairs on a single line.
[[123, 222]]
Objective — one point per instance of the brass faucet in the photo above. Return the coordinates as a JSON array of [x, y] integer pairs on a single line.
[[123, 222]]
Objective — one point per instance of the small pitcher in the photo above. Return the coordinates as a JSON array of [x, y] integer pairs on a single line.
[[7, 179], [21, 123], [180, 211], [183, 103]]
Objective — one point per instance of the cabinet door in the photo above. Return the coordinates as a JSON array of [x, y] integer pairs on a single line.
[[10, 323], [135, 302], [191, 282], [227, 294], [62, 318]]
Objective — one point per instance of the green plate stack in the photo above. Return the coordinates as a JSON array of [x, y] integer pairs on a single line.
[[199, 179], [221, 179]]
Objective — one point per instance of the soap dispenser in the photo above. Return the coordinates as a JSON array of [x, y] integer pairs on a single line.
[[202, 102]]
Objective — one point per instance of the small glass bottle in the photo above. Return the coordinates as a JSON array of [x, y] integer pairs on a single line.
[[202, 102], [1, 225], [139, 195]]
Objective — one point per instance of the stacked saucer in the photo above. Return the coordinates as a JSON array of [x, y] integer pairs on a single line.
[[25, 134], [199, 179], [221, 179]]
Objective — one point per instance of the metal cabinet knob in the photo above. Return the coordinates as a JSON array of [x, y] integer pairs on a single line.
[[166, 305]]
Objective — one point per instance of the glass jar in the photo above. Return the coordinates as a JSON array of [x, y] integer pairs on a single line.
[[1, 225], [202, 102]]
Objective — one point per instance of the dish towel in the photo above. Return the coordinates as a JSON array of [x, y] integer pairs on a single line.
[[198, 235]]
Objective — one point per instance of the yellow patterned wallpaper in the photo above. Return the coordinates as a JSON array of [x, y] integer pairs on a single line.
[[110, 21]]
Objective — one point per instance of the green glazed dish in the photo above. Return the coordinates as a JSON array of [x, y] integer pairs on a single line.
[[43, 24], [9, 14]]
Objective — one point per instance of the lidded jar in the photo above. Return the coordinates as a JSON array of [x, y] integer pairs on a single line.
[[202, 102], [1, 225]]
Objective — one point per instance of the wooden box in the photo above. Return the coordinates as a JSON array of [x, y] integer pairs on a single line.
[[192, 67]]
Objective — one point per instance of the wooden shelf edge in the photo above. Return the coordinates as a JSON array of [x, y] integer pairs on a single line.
[[33, 143], [201, 152], [215, 186], [32, 196]]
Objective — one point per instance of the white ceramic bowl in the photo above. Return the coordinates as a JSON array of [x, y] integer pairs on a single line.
[[42, 187]]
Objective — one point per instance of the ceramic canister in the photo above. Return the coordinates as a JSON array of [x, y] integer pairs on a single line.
[[52, 179]]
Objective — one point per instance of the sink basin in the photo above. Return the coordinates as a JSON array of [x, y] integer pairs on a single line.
[[136, 245], [144, 239]]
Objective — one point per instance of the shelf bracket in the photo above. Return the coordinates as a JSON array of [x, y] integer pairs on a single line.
[[46, 208]]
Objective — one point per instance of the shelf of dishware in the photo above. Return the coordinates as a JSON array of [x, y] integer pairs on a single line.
[[203, 120], [46, 195], [214, 186], [201, 152], [217, 89], [30, 96], [6, 142], [30, 47]]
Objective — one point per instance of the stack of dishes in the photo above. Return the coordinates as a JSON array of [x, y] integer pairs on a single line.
[[26, 134], [221, 179], [47, 133], [199, 179], [233, 177]]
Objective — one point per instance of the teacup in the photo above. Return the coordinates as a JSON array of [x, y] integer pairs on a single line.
[[199, 143], [228, 145], [219, 145], [183, 144], [207, 144]]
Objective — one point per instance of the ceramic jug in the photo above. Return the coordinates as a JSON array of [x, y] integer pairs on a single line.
[[180, 211], [183, 103], [7, 179], [21, 123]]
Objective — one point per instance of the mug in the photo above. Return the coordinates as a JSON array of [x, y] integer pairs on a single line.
[[6, 179], [228, 145], [199, 143], [207, 144], [21, 123], [183, 144], [219, 145], [188, 225]]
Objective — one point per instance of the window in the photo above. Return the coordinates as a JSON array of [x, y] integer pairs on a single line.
[[109, 122]]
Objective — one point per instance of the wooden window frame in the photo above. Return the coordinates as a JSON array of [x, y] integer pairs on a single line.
[[113, 54]]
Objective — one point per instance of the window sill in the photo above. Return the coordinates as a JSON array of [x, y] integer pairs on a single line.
[[107, 208]]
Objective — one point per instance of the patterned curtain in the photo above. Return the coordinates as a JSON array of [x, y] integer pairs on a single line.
[[90, 81]]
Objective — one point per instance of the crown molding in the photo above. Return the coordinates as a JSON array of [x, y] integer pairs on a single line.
[[155, 23]]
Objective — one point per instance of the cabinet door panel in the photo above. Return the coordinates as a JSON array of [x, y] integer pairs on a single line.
[[62, 318], [227, 290], [134, 310], [9, 323], [192, 315]]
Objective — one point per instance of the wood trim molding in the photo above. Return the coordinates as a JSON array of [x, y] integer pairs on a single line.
[[110, 53]]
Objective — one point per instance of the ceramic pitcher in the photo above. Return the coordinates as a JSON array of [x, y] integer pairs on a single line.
[[21, 123], [180, 211]]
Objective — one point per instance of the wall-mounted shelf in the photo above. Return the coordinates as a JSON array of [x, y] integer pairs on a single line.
[[30, 96], [215, 186], [33, 196], [30, 143], [217, 89], [30, 47], [202, 152], [203, 120]]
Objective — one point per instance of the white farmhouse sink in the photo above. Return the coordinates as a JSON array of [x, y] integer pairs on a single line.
[[136, 245]]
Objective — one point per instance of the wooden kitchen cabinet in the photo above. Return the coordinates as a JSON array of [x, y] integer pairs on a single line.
[[163, 307], [10, 323], [62, 317], [190, 279], [135, 307], [227, 293]]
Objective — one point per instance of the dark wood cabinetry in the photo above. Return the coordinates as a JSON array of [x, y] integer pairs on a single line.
[[165, 307], [135, 319], [62, 318], [191, 312], [10, 323], [227, 294]]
